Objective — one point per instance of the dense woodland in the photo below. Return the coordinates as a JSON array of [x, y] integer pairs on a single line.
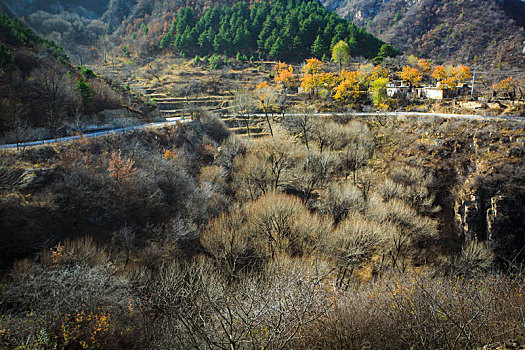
[[285, 30]]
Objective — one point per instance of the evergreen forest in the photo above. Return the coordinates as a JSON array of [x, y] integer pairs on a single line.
[[289, 30]]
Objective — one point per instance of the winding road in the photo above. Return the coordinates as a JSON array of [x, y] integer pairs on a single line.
[[172, 121]]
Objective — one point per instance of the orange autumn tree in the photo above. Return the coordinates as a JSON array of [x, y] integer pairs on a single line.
[[451, 76], [507, 87], [284, 74], [122, 169], [411, 74], [462, 73], [349, 87], [313, 76], [423, 66], [439, 73]]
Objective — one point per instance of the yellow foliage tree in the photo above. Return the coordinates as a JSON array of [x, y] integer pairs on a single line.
[[349, 87], [411, 74], [312, 66], [379, 72], [439, 73], [284, 74], [507, 87], [424, 66]]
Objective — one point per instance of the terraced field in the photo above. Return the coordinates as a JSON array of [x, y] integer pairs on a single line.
[[180, 90]]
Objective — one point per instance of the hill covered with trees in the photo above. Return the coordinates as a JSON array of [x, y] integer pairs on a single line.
[[284, 29], [291, 29], [489, 33]]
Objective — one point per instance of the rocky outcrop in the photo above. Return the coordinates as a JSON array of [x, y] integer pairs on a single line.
[[483, 32], [33, 179], [495, 214]]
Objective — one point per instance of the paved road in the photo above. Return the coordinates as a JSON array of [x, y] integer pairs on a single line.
[[168, 122], [171, 121], [409, 114]]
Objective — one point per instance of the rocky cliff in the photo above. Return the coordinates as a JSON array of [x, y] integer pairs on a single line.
[[485, 32], [491, 207]]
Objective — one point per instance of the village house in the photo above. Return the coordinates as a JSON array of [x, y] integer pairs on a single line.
[[397, 89]]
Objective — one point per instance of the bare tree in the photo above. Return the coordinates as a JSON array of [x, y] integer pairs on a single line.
[[267, 165], [243, 104], [340, 199], [229, 241], [405, 226], [55, 91], [352, 243], [301, 124], [313, 173], [16, 111]]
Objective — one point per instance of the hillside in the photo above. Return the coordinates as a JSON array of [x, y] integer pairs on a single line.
[[277, 30], [188, 237], [283, 30], [87, 30], [91, 9], [486, 32], [42, 95]]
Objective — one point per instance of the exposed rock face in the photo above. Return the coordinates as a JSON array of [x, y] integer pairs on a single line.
[[484, 31], [486, 213], [33, 179]]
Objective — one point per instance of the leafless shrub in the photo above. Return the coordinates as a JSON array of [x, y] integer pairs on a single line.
[[267, 165], [421, 312], [313, 173], [214, 127], [46, 298], [198, 309], [81, 251], [271, 218], [104, 97], [8, 174], [411, 185], [406, 226], [231, 148], [352, 243], [357, 144], [338, 199], [235, 247], [310, 231], [475, 258]]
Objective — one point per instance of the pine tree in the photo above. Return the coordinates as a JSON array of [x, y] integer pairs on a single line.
[[277, 48], [318, 48]]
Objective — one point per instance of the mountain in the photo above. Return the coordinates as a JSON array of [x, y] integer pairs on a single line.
[[90, 9], [487, 32], [87, 28], [283, 29]]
